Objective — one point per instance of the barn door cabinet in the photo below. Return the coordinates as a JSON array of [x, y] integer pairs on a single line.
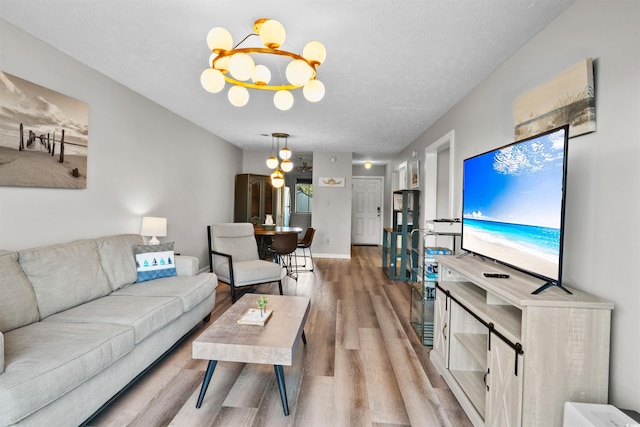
[[512, 358]]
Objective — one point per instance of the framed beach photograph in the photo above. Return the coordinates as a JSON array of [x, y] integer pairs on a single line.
[[402, 176], [568, 98], [44, 136], [414, 174]]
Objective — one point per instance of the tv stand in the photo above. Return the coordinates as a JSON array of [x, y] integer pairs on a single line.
[[550, 284], [512, 358]]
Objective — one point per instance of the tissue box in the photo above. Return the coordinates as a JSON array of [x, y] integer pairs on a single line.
[[444, 226], [594, 415]]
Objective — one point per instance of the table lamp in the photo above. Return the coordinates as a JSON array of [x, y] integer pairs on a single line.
[[154, 227]]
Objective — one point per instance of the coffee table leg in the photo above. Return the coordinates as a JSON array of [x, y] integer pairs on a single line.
[[282, 388], [205, 384]]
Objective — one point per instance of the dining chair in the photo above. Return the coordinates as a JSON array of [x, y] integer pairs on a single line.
[[305, 244], [233, 256], [284, 246]]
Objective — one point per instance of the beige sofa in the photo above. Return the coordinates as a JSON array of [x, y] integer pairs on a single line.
[[75, 328]]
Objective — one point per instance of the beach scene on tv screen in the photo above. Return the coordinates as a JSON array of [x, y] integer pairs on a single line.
[[513, 204]]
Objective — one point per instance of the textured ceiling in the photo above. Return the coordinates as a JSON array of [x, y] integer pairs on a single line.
[[392, 69]]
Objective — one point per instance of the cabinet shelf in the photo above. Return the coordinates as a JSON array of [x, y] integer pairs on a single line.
[[506, 318], [476, 344], [472, 382]]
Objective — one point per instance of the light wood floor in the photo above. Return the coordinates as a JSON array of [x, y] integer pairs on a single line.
[[363, 365]]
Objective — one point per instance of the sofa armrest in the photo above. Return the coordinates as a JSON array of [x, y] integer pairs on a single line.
[[1, 353], [187, 265]]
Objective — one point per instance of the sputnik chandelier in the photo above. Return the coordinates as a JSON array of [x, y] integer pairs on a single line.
[[236, 65], [277, 176]]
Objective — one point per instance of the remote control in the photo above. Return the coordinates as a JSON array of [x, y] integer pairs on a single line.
[[496, 275]]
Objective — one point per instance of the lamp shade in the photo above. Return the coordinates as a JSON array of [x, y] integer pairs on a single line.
[[154, 227]]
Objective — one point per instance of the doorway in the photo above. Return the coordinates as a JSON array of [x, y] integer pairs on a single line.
[[366, 210]]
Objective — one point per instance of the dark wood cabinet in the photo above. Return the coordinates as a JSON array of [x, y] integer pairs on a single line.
[[254, 198]]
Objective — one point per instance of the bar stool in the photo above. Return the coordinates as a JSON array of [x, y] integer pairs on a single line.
[[283, 247], [305, 244]]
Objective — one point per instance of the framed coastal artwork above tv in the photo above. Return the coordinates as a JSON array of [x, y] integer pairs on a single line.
[[568, 98], [44, 136]]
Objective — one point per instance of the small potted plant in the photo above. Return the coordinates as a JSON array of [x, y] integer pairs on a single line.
[[262, 305]]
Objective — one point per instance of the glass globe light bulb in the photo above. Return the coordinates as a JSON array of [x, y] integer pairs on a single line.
[[313, 90], [238, 96], [272, 162], [272, 34], [212, 80], [286, 165], [261, 75], [241, 66], [277, 178], [222, 64], [285, 154], [283, 100], [314, 52], [298, 72], [219, 40]]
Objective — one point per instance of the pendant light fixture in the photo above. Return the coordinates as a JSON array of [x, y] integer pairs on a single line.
[[238, 66], [277, 177]]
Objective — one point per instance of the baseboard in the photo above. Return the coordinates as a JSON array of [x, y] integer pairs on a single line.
[[338, 256]]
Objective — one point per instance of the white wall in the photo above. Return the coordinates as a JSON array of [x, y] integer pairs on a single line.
[[602, 230], [143, 160], [332, 206]]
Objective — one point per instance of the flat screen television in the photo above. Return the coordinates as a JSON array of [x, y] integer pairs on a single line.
[[513, 201]]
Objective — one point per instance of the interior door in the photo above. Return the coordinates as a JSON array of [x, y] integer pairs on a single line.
[[366, 211]]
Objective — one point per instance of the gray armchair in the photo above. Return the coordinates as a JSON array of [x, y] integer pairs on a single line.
[[233, 256]]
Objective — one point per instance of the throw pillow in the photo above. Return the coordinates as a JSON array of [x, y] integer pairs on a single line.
[[154, 261]]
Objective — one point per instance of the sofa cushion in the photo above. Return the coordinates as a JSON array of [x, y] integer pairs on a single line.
[[115, 256], [18, 305], [145, 314], [154, 261], [64, 275], [45, 360], [190, 289], [1, 353]]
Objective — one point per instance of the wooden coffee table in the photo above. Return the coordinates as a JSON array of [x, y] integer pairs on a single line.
[[274, 343]]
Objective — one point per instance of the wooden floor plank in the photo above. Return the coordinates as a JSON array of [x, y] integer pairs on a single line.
[[363, 364], [385, 399]]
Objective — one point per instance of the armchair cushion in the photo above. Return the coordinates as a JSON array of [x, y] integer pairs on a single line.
[[235, 239], [250, 272]]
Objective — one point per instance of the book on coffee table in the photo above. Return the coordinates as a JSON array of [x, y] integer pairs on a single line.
[[253, 316]]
